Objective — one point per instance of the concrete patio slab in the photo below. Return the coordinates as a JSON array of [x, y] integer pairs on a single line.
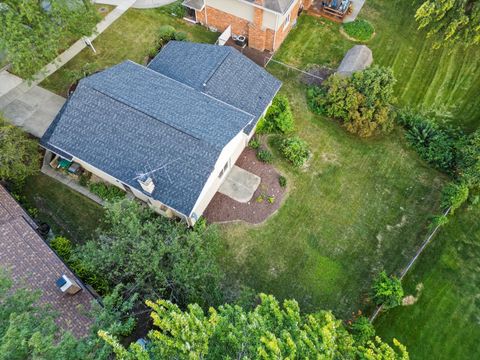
[[240, 185], [33, 110], [8, 82], [357, 5]]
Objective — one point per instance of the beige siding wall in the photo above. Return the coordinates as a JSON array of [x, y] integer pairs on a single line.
[[231, 153], [235, 7]]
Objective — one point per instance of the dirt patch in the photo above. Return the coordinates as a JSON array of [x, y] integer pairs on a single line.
[[265, 201], [320, 74]]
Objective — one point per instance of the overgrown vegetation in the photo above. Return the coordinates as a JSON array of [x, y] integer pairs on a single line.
[[19, 154], [387, 291], [360, 29], [361, 102], [264, 155], [269, 331], [154, 256], [278, 119], [105, 191], [295, 150], [33, 32]]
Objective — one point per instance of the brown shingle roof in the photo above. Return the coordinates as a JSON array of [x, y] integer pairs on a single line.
[[31, 263]]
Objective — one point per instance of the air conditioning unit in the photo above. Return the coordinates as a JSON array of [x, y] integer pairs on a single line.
[[67, 285]]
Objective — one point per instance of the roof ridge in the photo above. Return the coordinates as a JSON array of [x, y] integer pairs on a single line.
[[197, 91]]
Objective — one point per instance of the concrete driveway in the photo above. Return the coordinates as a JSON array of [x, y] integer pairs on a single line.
[[240, 184], [31, 108]]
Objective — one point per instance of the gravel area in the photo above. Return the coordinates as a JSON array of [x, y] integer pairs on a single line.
[[224, 209]]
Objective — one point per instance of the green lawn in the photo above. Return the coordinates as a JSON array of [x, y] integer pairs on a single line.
[[129, 37], [444, 81], [67, 212], [445, 322], [360, 207]]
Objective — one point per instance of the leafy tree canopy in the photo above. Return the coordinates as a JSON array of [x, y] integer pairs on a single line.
[[269, 331], [154, 256], [387, 291], [361, 101], [32, 32], [452, 20], [19, 156]]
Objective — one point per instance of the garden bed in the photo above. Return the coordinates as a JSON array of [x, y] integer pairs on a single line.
[[259, 208]]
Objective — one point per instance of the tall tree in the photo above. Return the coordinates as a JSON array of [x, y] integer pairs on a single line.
[[19, 156], [270, 331], [154, 256], [32, 32], [452, 20]]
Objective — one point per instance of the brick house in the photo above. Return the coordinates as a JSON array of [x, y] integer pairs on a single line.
[[265, 23]]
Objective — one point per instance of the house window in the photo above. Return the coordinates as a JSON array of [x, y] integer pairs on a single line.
[[287, 21]]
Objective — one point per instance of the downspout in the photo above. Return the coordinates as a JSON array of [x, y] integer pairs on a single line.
[[275, 34], [206, 15]]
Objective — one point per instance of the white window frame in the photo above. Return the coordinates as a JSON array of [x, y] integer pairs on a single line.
[[287, 20]]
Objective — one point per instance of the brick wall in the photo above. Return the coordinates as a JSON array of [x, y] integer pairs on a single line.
[[221, 20], [259, 37]]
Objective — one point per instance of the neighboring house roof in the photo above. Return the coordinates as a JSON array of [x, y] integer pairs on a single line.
[[358, 58], [129, 119], [32, 264]]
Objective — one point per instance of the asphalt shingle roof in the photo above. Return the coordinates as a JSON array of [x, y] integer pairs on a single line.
[[129, 119], [280, 6], [32, 264]]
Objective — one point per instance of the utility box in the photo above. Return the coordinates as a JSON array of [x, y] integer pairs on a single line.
[[67, 285]]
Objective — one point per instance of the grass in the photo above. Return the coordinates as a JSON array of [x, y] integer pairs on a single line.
[[130, 37], [360, 207], [444, 81], [68, 213], [444, 322]]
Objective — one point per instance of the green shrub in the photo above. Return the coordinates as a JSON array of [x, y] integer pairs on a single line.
[[278, 119], [167, 33], [106, 192], [282, 180], [387, 291], [361, 30], [265, 156], [454, 195], [254, 143], [435, 145], [362, 330], [176, 9], [362, 102], [295, 150], [180, 36], [85, 178], [63, 247], [438, 220], [469, 160]]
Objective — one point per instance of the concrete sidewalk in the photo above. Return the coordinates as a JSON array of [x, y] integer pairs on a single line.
[[357, 5]]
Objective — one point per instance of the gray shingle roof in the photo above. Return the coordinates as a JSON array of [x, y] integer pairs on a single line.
[[129, 120], [219, 71], [280, 6]]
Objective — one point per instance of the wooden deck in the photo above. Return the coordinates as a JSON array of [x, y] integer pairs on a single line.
[[319, 10]]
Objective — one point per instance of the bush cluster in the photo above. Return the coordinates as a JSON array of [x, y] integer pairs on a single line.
[[362, 102], [165, 34], [454, 195], [282, 181], [264, 156], [278, 119], [106, 192], [361, 30], [64, 248], [295, 150], [254, 143], [387, 291]]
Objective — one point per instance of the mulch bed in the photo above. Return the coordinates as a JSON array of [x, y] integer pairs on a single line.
[[224, 209]]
